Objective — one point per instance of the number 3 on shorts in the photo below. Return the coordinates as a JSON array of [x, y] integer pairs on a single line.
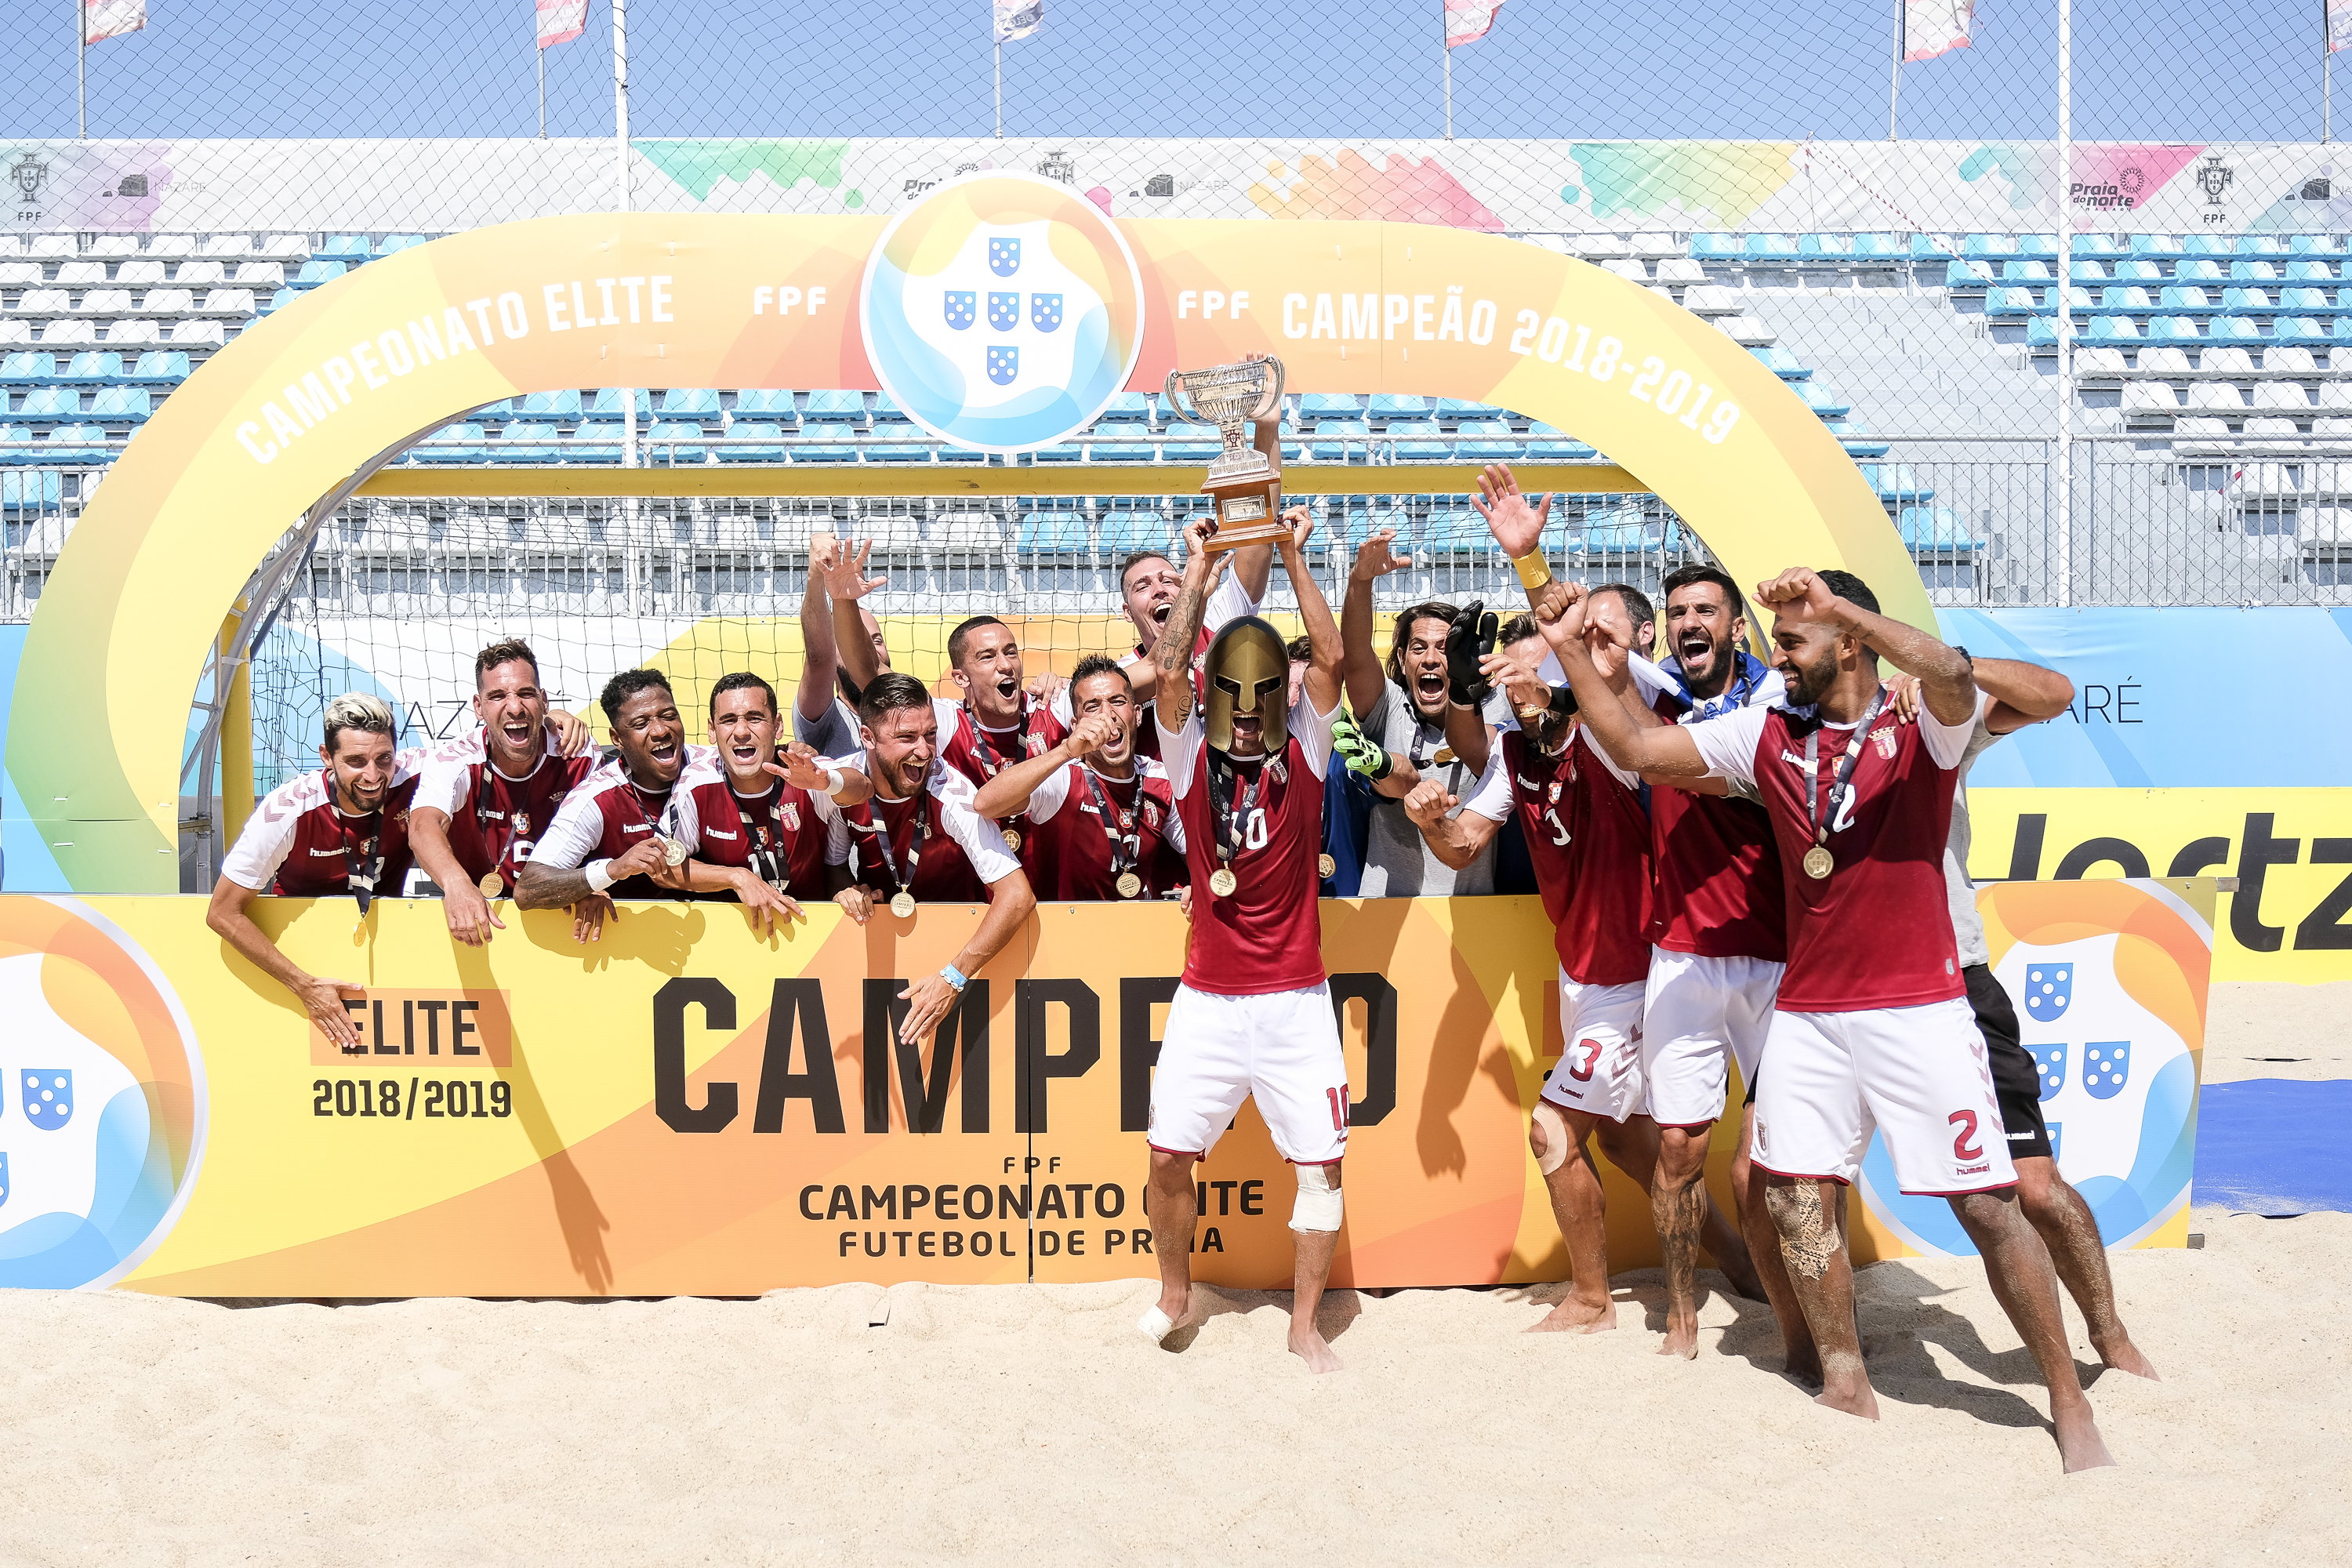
[[1338, 1098], [1582, 1071]]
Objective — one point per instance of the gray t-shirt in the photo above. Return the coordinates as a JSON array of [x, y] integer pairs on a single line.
[[1398, 862], [1968, 930], [835, 735]]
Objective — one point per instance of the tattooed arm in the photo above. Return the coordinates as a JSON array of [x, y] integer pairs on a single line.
[[1172, 656]]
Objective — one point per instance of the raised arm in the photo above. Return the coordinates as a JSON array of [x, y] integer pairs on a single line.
[[848, 584], [1455, 840], [2022, 693], [1172, 654], [1944, 681], [1365, 677], [1664, 748], [820, 656], [1008, 793], [1327, 651]]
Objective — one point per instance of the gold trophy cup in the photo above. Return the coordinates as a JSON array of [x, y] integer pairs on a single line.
[[1245, 483]]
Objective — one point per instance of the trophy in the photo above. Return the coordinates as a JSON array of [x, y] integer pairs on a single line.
[[1245, 483]]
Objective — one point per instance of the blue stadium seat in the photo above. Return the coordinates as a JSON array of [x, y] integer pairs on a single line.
[[2025, 272], [502, 409], [593, 443], [1455, 410], [1547, 445], [453, 444], [2043, 246], [2246, 302], [1770, 248], [1341, 441], [2310, 271], [279, 299], [159, 367], [2042, 332], [1328, 405], [770, 437], [2140, 270], [50, 405], [77, 444], [607, 404], [528, 443], [835, 407], [1988, 247], [314, 272], [2155, 247], [767, 403], [675, 441], [689, 403], [2197, 270], [2343, 332], [42, 487], [92, 369], [2095, 245], [1826, 247], [1419, 441], [2306, 302], [901, 440], [2105, 329], [1127, 529], [2129, 299], [1895, 482], [120, 405], [2177, 332], [1717, 246], [391, 244], [2300, 330], [1059, 452], [2204, 245], [25, 369], [563, 405], [2316, 245], [1453, 532], [1391, 406], [1931, 247], [2260, 244], [2006, 302], [1936, 528], [1821, 400], [1126, 408], [1855, 438], [2254, 273], [16, 442], [826, 443], [352, 248], [1189, 451], [2088, 272], [2232, 330], [1048, 532], [2180, 297], [1486, 441], [1966, 276], [1876, 247], [1783, 363]]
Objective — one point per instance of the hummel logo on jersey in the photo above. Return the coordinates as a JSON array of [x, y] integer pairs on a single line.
[[1801, 765], [635, 828], [714, 833], [323, 853], [493, 816]]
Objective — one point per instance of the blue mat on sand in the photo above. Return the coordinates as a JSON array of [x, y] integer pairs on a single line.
[[2274, 1147]]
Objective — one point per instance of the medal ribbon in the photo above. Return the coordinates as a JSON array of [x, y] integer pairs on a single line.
[[1128, 839], [1813, 814], [1231, 821], [766, 863], [359, 879], [880, 830]]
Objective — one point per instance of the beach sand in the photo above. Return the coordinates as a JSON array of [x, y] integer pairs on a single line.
[[1032, 1424]]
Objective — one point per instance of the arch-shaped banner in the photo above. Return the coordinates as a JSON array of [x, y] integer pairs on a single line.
[[298, 400]]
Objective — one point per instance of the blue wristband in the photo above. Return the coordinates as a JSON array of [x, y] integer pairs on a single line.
[[949, 972]]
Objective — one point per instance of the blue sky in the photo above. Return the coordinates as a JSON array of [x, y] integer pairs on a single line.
[[2188, 70]]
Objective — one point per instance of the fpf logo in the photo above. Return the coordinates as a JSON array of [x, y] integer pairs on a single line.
[[986, 365]]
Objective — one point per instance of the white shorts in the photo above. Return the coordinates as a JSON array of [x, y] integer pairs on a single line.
[[1599, 1069], [1281, 1047], [1698, 1013], [1919, 1073]]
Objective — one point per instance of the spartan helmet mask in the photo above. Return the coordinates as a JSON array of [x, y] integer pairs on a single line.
[[1248, 671]]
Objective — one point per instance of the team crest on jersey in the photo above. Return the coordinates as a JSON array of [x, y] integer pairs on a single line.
[[791, 816], [1150, 814], [1883, 739], [1555, 787]]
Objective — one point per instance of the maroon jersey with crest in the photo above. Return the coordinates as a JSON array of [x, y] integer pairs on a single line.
[[299, 845], [1877, 930], [1070, 851], [494, 820], [604, 817], [786, 835], [1268, 934], [1590, 840], [944, 852], [1716, 884]]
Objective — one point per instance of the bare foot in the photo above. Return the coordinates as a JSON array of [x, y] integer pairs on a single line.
[[2123, 1356], [1577, 1316], [1682, 1337], [2079, 1443], [1175, 1303], [1308, 1346], [1849, 1390]]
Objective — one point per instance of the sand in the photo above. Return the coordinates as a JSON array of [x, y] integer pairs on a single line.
[[2256, 1028], [1032, 1423]]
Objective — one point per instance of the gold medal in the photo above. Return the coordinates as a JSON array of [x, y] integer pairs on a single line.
[[1324, 866], [493, 886], [1222, 882], [902, 904], [1819, 862], [1128, 884], [1013, 839]]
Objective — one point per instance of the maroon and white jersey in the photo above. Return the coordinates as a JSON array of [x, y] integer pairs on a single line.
[[787, 835], [605, 814], [299, 845], [1230, 600], [1267, 935], [1715, 886], [944, 852], [1877, 930], [1084, 828], [494, 820], [1589, 839], [979, 754]]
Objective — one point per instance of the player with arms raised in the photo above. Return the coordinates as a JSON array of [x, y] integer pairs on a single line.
[[1253, 1017], [1874, 1027]]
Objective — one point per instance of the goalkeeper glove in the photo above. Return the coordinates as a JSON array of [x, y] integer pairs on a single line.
[[1468, 641], [1358, 751]]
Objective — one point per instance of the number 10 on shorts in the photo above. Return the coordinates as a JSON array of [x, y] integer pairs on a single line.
[[1338, 1098]]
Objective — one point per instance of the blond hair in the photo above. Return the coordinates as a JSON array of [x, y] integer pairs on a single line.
[[357, 710]]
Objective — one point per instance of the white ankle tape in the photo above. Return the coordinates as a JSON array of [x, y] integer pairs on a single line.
[[1155, 1324], [1320, 1205], [1557, 1142]]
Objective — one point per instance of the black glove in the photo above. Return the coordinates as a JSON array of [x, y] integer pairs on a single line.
[[1468, 641]]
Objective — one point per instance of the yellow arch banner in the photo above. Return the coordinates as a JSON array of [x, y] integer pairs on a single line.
[[299, 401]]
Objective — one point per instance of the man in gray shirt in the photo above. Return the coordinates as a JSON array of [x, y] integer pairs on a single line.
[[2026, 694], [1401, 707]]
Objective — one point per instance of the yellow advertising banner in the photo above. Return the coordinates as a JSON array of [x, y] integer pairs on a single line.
[[683, 1108]]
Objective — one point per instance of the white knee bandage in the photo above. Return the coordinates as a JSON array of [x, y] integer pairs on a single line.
[[1556, 1141], [1319, 1203]]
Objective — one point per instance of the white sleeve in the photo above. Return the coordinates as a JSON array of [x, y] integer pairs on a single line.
[[1051, 796], [1728, 745], [836, 829], [982, 842], [684, 815], [1314, 730], [572, 836], [1179, 751], [1948, 744], [445, 786], [1230, 602], [253, 860], [1490, 797]]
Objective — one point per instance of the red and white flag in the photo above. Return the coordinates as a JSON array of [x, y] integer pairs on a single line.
[[1932, 27], [560, 21], [1466, 21], [2339, 25], [104, 19]]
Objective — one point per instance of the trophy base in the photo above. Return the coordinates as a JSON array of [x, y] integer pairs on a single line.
[[1248, 512]]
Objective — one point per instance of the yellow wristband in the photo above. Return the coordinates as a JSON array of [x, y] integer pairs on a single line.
[[1533, 569]]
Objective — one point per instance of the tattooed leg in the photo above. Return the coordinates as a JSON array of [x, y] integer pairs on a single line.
[[1813, 1246]]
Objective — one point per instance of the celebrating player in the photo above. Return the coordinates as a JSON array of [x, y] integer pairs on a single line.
[[760, 826], [343, 830], [1582, 820], [1098, 816], [481, 800], [919, 840], [615, 834], [1872, 1027], [1253, 1016], [824, 714]]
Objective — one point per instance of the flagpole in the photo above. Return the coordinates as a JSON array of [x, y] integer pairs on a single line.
[[621, 172], [81, 58], [1895, 74], [542, 92], [2064, 291], [1000, 89], [1445, 48]]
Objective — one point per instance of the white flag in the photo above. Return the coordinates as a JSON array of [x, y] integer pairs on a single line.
[[560, 21], [1466, 21], [1932, 27], [104, 19], [2339, 25], [1017, 18]]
